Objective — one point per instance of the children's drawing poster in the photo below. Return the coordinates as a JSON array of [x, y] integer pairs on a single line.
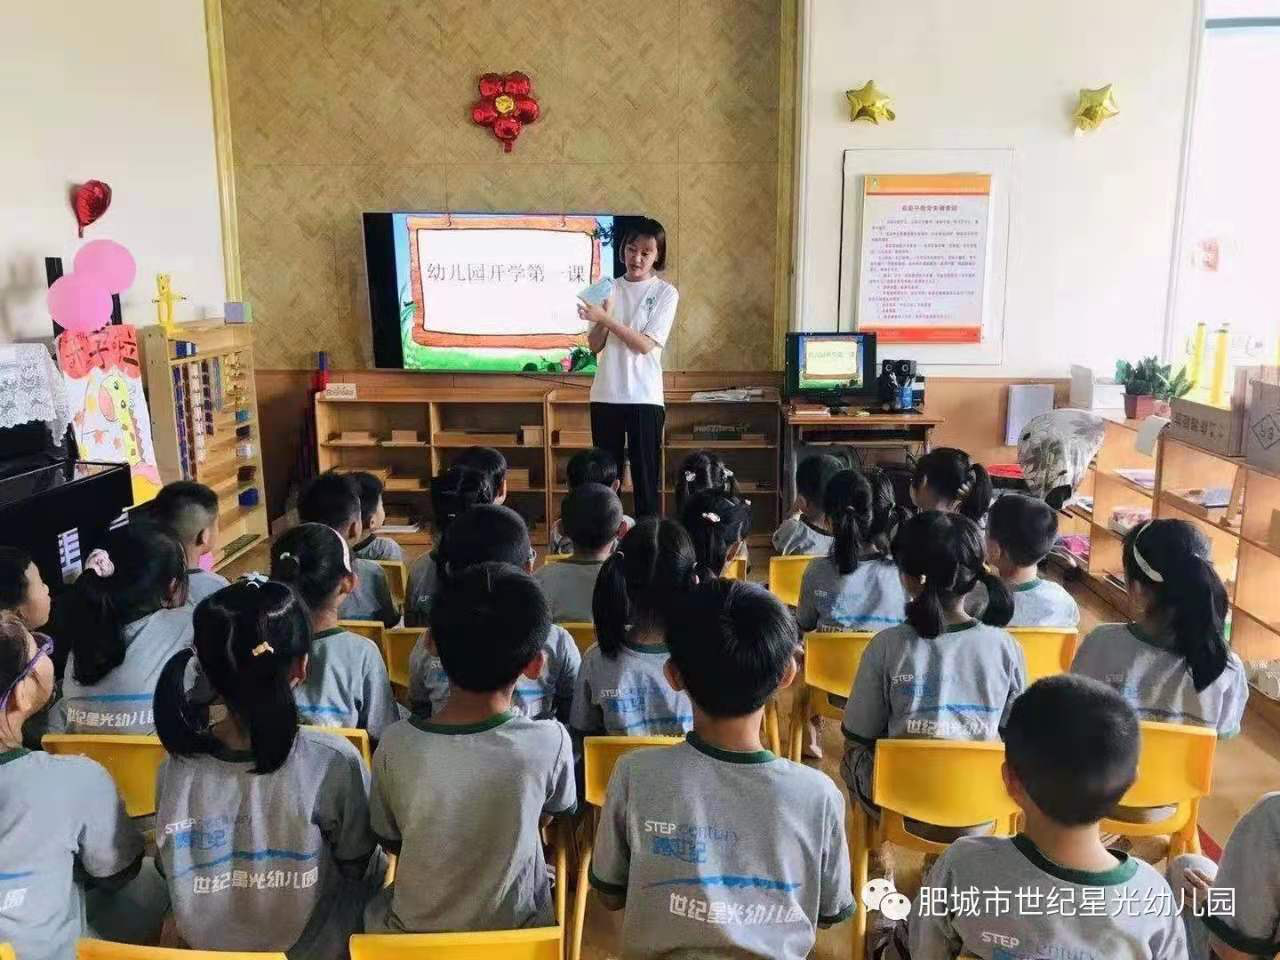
[[923, 270], [103, 377]]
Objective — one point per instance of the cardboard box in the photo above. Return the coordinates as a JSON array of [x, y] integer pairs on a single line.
[[1089, 391], [1210, 428], [1262, 436]]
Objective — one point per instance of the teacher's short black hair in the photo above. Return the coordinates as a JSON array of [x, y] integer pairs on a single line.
[[648, 227]]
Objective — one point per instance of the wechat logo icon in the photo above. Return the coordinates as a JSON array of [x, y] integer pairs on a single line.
[[881, 895]]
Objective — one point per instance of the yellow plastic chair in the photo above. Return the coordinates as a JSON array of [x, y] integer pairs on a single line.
[[584, 634], [371, 629], [1175, 769], [947, 783], [359, 739], [535, 943], [555, 558], [6, 952], [599, 756], [735, 569], [830, 665], [397, 580], [397, 647], [1049, 650], [131, 759], [772, 728], [107, 950], [785, 574]]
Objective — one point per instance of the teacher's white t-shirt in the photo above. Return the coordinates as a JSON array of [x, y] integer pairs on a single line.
[[622, 375]]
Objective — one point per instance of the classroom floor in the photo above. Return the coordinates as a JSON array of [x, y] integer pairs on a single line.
[[1245, 768]]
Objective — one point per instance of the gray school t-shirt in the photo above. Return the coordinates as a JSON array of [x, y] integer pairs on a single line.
[[371, 599], [121, 701], [721, 853], [379, 548], [795, 536], [1157, 681], [346, 684], [1001, 899], [464, 802], [569, 586], [955, 686], [272, 861], [549, 696], [870, 598], [57, 815], [202, 583], [1250, 866], [628, 695], [420, 591], [1037, 603]]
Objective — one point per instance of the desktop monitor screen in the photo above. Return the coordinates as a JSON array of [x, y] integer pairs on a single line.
[[831, 363]]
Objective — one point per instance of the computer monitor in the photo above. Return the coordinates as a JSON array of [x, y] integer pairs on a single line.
[[830, 367]]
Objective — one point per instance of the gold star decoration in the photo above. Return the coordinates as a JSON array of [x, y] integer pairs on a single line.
[[1094, 107], [868, 103]]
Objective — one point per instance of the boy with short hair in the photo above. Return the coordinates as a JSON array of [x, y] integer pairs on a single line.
[[805, 531], [588, 466], [460, 797], [372, 516], [333, 499], [1021, 531], [681, 842], [189, 511], [1071, 753], [592, 518]]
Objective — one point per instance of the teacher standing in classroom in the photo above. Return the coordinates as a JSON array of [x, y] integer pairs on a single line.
[[627, 335]]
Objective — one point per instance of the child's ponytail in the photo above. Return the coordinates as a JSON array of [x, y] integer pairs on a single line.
[[312, 558], [142, 569], [945, 552], [1170, 558], [886, 514], [456, 490], [716, 523], [974, 497], [654, 564], [999, 609], [847, 504], [955, 479], [248, 638], [702, 471]]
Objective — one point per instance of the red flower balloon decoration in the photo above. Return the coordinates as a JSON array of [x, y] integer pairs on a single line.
[[506, 104], [90, 200]]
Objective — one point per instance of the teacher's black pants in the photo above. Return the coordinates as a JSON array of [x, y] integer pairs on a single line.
[[636, 428]]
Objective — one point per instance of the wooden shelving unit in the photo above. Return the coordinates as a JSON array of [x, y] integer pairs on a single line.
[[204, 415]]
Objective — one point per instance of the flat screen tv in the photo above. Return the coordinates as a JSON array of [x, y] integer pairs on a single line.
[[486, 292]]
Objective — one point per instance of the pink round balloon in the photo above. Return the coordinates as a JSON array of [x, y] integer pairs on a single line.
[[79, 303], [110, 262]]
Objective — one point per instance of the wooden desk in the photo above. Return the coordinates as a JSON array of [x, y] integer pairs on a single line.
[[869, 431]]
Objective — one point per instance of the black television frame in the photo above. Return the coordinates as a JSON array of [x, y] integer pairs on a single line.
[[870, 370]]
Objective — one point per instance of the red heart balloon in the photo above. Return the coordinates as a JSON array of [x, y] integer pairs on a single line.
[[484, 113], [517, 84], [526, 109], [90, 200], [490, 84], [507, 129]]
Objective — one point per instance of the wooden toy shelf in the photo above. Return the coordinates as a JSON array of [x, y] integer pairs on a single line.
[[204, 416]]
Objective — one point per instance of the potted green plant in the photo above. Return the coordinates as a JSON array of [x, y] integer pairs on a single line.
[[1147, 382]]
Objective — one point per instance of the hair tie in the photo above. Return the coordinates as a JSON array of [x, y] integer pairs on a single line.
[[346, 550], [1151, 572], [256, 579], [287, 556], [262, 648], [690, 476], [713, 517], [99, 561], [728, 474], [619, 554]]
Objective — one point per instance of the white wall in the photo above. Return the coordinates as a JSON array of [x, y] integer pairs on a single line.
[[1093, 216], [116, 92]]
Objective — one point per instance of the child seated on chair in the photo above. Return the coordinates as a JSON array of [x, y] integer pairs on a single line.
[[1240, 920], [1021, 531], [346, 683], [593, 519], [805, 532], [333, 499], [1071, 752], [704, 471], [189, 511], [68, 851], [262, 828], [621, 688], [493, 533], [684, 842], [455, 491], [125, 617], [856, 586], [718, 525], [460, 798], [1172, 663], [372, 516], [941, 675], [588, 466]]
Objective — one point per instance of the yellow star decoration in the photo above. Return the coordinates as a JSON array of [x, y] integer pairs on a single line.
[[868, 103], [1094, 107]]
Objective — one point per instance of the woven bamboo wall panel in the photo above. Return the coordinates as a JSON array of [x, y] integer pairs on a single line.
[[342, 106]]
